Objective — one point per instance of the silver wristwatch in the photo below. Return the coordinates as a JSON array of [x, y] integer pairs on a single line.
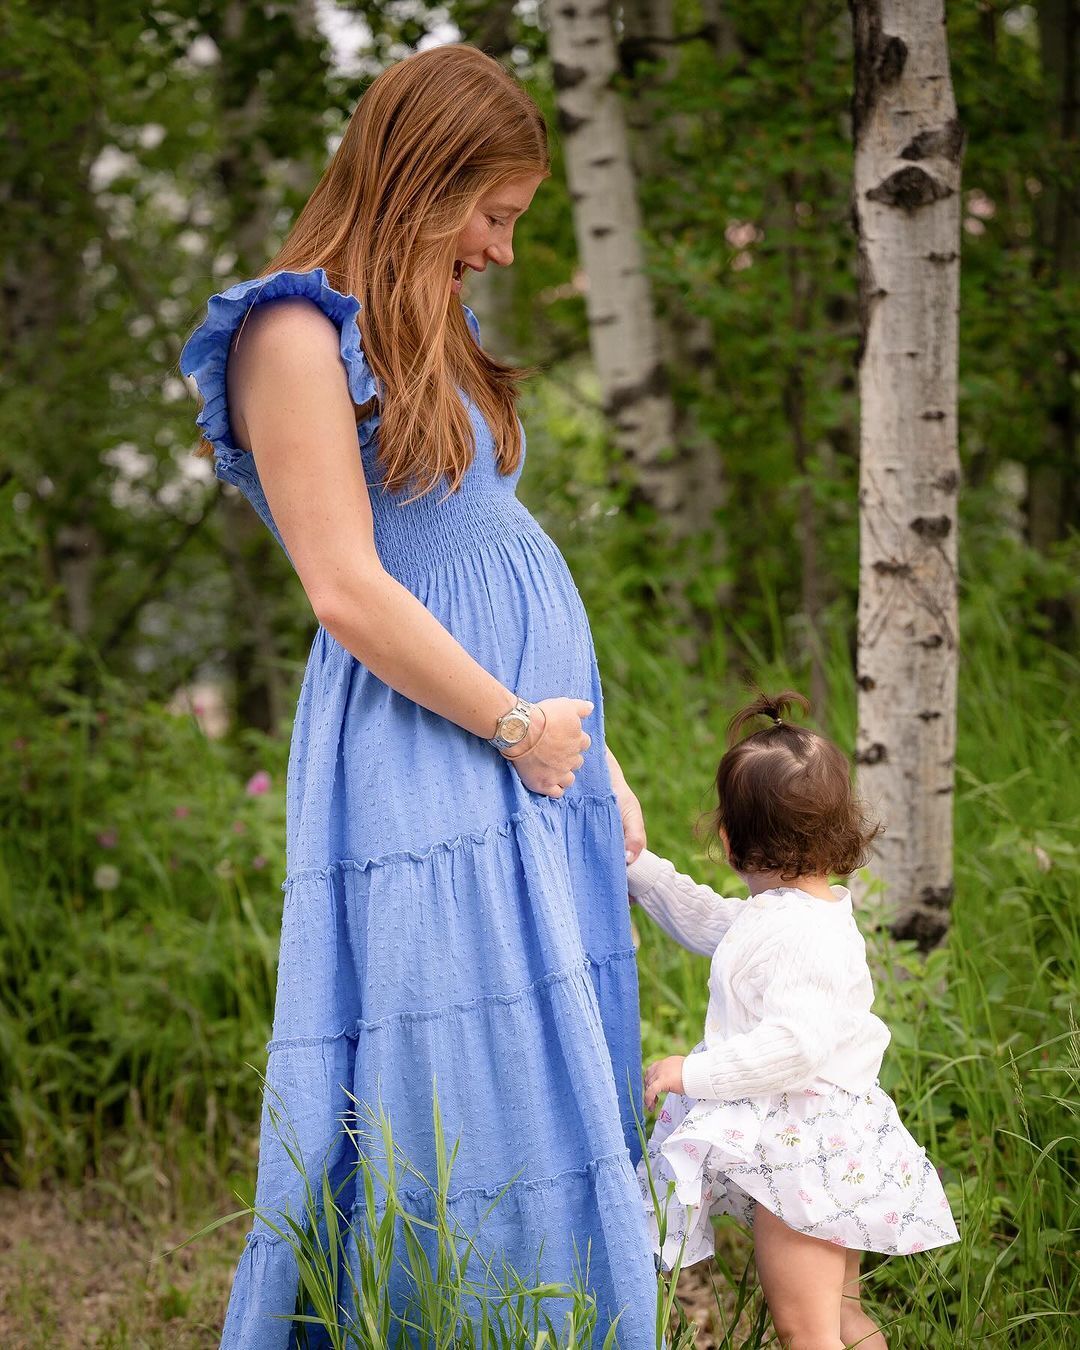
[[513, 726]]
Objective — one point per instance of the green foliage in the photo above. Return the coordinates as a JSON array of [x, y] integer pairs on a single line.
[[139, 904]]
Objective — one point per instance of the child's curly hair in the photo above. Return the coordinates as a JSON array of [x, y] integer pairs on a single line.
[[785, 799]]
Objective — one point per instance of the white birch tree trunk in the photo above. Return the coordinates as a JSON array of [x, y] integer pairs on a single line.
[[623, 333], [908, 147]]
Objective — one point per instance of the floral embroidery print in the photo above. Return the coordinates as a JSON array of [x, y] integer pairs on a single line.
[[834, 1164]]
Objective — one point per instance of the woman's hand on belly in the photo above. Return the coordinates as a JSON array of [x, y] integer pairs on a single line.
[[555, 749], [633, 821]]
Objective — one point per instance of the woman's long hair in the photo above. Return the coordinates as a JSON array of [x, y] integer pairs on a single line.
[[431, 135]]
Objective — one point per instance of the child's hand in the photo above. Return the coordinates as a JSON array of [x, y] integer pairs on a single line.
[[663, 1076]]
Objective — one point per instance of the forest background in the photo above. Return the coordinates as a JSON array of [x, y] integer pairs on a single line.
[[153, 637]]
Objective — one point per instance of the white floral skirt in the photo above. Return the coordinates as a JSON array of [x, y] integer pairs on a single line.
[[827, 1162]]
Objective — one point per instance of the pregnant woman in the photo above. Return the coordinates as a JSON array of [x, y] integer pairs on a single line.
[[455, 903]]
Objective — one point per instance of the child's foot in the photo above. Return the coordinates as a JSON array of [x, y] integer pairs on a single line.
[[859, 1329]]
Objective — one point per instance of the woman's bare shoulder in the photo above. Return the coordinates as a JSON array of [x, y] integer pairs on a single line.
[[283, 349], [289, 328]]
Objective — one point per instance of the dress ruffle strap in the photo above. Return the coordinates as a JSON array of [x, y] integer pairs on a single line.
[[206, 351]]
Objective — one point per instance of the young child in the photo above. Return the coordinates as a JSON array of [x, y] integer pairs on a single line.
[[776, 1117]]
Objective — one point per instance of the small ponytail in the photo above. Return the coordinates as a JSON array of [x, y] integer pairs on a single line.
[[774, 706]]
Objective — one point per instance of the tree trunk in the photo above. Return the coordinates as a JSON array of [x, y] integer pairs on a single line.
[[623, 332], [908, 148]]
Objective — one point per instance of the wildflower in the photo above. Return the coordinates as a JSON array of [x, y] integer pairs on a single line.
[[259, 784], [108, 838], [239, 827], [106, 877], [181, 812], [258, 862]]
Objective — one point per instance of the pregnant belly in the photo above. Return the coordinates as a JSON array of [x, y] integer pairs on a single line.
[[513, 606], [406, 777]]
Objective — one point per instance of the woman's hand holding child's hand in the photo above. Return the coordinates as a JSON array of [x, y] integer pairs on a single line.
[[665, 1075], [554, 747]]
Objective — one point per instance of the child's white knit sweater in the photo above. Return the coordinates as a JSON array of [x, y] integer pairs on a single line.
[[789, 989]]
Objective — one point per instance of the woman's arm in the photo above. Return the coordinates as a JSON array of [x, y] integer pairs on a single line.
[[633, 822], [693, 915], [289, 404]]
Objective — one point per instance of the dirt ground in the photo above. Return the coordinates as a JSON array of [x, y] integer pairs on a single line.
[[78, 1271]]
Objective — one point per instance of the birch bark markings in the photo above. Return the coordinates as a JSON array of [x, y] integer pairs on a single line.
[[908, 147], [623, 333]]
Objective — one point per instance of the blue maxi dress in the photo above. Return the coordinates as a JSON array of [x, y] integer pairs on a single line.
[[443, 925]]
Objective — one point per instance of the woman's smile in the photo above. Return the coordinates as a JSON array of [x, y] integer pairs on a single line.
[[459, 273]]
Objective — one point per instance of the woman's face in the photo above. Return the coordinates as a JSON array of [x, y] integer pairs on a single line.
[[489, 234]]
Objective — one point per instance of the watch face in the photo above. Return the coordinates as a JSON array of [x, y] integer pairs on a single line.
[[514, 729]]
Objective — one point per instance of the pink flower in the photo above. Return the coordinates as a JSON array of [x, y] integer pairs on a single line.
[[259, 784], [258, 862], [238, 827], [19, 743], [691, 1151], [108, 838], [732, 1136], [917, 1247], [181, 812], [892, 1217], [836, 1141], [806, 1197]]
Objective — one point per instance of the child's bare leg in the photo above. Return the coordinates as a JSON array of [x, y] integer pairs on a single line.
[[857, 1327], [803, 1282]]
